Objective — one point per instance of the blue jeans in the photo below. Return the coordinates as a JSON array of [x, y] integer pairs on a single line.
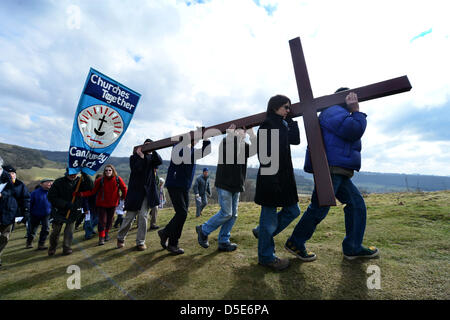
[[226, 217], [90, 225], [355, 216], [200, 204], [272, 223]]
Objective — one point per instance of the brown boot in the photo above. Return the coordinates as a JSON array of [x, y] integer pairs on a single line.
[[42, 246], [67, 251], [141, 247], [278, 264], [28, 245]]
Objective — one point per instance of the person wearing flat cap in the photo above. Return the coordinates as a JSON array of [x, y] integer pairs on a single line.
[[40, 209], [60, 196], [14, 202]]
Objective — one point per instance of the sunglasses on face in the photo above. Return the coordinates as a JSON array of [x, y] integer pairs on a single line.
[[287, 107], [108, 170]]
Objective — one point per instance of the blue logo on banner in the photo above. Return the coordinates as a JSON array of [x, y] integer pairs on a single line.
[[102, 117]]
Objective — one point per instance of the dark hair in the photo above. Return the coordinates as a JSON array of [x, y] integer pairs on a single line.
[[341, 89], [276, 102], [344, 105]]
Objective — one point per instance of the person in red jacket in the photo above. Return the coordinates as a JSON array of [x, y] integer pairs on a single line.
[[107, 189]]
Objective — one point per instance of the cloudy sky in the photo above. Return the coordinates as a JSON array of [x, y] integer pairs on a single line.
[[206, 62]]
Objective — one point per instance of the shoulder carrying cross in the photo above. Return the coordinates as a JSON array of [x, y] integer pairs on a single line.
[[308, 108]]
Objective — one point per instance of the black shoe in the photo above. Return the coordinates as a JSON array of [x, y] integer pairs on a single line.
[[255, 232], [202, 239], [101, 241], [227, 247], [67, 251], [368, 253], [303, 255], [28, 245], [163, 238], [154, 227], [175, 250], [277, 265], [42, 247]]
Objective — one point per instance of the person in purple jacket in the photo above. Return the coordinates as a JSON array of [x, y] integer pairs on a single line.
[[342, 128], [40, 209]]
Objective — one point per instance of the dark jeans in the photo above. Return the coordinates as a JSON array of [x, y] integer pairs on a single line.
[[105, 219], [355, 216], [119, 220], [33, 224], [180, 202], [90, 224]]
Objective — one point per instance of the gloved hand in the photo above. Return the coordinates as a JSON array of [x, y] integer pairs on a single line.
[[76, 194]]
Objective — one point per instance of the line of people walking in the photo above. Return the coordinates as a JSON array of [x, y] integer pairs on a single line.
[[342, 128]]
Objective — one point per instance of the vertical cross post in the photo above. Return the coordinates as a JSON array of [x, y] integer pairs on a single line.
[[322, 178]]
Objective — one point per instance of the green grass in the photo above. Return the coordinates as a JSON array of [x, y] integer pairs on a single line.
[[410, 229]]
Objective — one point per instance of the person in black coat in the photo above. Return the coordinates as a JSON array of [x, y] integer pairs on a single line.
[[14, 202], [141, 196], [60, 196], [275, 183]]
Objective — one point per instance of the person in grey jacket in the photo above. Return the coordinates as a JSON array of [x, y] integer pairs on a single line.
[[201, 190]]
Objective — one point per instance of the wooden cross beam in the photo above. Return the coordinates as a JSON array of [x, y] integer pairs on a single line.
[[308, 108]]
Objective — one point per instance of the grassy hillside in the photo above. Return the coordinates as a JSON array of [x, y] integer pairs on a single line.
[[412, 231]]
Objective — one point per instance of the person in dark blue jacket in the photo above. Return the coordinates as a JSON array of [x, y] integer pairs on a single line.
[[14, 202], [40, 209], [342, 128], [178, 182]]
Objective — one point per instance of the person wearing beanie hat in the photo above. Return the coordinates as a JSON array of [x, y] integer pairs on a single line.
[[14, 202], [40, 209], [201, 190], [342, 129]]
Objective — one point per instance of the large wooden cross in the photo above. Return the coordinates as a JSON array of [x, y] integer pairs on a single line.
[[308, 108]]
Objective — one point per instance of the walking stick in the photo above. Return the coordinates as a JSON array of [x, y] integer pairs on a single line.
[[73, 197]]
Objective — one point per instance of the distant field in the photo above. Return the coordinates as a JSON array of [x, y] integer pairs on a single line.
[[35, 174], [412, 231]]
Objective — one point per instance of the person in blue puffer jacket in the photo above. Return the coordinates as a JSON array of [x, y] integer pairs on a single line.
[[40, 209], [342, 128]]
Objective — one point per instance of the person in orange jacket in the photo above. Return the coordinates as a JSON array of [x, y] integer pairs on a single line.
[[107, 189]]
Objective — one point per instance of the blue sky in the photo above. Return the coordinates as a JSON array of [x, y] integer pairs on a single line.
[[205, 62]]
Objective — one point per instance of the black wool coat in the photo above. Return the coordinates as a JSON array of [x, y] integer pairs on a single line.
[[15, 200], [231, 176], [60, 197], [142, 182], [278, 189]]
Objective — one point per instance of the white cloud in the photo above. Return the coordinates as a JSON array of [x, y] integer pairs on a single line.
[[213, 62]]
